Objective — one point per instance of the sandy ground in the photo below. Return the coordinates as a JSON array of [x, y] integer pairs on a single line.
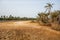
[[22, 24], [33, 31], [18, 24]]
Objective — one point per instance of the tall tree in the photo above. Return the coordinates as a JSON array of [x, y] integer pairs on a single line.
[[48, 7]]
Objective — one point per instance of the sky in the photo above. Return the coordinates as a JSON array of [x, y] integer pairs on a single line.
[[25, 8]]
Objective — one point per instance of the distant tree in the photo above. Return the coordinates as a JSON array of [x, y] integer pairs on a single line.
[[4, 17], [11, 17], [1, 18]]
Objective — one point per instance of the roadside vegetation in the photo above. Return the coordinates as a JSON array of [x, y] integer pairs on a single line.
[[49, 18]]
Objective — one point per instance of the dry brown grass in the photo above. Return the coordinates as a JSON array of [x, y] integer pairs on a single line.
[[23, 30]]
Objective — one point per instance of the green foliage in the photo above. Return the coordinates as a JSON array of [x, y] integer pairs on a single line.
[[15, 18], [49, 18], [43, 17], [53, 19], [55, 14]]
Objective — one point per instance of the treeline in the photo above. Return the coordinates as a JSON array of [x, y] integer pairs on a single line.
[[15, 18]]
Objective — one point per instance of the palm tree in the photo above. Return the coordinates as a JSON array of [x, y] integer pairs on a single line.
[[48, 7]]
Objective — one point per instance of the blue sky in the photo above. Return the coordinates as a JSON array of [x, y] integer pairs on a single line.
[[25, 8]]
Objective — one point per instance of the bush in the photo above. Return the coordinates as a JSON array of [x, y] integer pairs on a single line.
[[55, 26]]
